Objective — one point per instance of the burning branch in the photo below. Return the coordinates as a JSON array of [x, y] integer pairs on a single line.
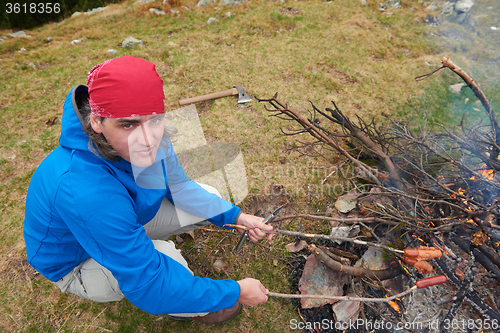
[[420, 182]]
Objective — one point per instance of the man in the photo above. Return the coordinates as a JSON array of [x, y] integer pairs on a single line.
[[100, 206]]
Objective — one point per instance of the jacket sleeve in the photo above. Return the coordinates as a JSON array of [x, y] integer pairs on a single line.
[[105, 224], [192, 198]]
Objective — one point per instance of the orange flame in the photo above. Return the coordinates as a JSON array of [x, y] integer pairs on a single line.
[[488, 173], [394, 305]]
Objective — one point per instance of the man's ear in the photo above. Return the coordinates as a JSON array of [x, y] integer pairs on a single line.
[[95, 122]]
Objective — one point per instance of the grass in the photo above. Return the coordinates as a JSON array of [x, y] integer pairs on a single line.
[[360, 57]]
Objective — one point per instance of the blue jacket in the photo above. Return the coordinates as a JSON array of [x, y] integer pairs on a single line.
[[80, 205]]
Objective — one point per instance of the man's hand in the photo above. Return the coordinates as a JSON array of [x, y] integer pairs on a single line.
[[252, 292], [255, 224]]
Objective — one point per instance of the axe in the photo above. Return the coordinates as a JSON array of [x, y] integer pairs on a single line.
[[236, 90]]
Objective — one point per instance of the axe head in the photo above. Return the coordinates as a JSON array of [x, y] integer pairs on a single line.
[[242, 95]]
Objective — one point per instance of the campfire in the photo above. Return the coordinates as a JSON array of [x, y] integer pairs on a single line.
[[423, 214]]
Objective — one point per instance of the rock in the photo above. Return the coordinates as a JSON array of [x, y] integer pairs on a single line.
[[49, 39], [447, 8], [317, 279], [228, 14], [176, 12], [95, 10], [219, 265], [344, 231], [76, 42], [203, 3], [144, 1], [131, 42], [494, 28], [363, 2], [296, 248], [393, 4], [19, 34], [111, 52], [456, 88], [156, 11], [231, 2], [22, 49], [32, 65], [212, 20], [463, 6], [373, 259], [75, 14], [432, 7], [346, 311]]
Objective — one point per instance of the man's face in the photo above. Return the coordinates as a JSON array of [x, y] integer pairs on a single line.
[[136, 138]]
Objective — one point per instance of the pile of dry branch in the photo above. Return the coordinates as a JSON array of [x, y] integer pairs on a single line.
[[437, 188]]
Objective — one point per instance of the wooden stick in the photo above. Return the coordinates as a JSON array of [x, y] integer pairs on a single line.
[[346, 298], [300, 234]]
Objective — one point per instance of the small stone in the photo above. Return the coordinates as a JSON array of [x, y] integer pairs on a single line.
[[156, 11], [32, 65], [176, 12], [131, 42], [22, 49], [19, 34], [49, 39], [346, 311], [373, 259], [76, 42], [432, 7], [344, 232], [296, 248], [203, 3], [228, 14], [111, 52], [463, 6], [95, 10], [231, 2], [219, 265], [75, 14], [494, 28], [212, 20], [456, 88]]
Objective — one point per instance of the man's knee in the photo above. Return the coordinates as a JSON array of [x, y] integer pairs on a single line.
[[210, 189]]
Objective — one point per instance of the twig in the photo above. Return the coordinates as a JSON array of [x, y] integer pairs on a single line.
[[337, 219], [300, 234], [346, 298]]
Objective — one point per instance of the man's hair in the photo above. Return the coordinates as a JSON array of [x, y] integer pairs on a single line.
[[97, 142]]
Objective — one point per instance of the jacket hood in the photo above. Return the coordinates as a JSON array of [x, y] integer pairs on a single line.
[[72, 134]]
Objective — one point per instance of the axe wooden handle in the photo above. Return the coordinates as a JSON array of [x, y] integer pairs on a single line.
[[197, 99]]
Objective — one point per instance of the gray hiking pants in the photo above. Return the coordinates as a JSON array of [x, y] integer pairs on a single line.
[[92, 281]]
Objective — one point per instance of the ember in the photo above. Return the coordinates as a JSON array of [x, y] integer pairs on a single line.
[[427, 202]]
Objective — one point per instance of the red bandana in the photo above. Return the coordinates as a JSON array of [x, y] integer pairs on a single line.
[[125, 87]]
